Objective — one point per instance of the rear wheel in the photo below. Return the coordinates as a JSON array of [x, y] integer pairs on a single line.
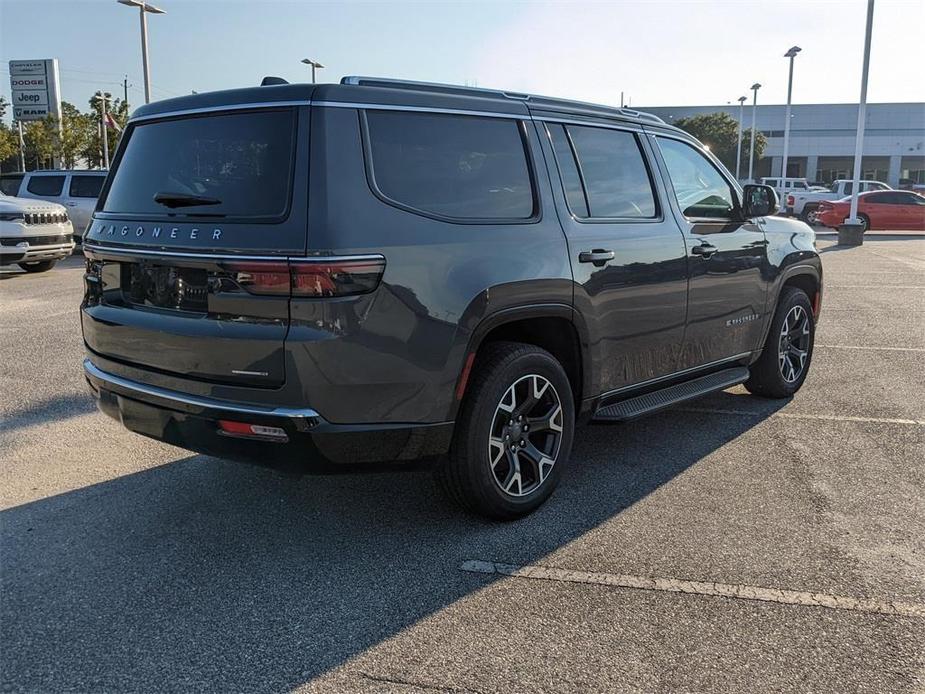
[[513, 434], [788, 349], [38, 265], [809, 214], [865, 221]]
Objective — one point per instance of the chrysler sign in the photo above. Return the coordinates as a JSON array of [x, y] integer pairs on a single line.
[[36, 92]]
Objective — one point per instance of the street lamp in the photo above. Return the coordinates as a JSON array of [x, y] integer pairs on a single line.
[[792, 53], [751, 157], [144, 7], [315, 64], [739, 146], [103, 98]]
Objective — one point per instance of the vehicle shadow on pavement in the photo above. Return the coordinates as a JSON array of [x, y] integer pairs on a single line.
[[50, 410], [207, 575]]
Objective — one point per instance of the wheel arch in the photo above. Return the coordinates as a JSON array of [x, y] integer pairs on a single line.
[[557, 328]]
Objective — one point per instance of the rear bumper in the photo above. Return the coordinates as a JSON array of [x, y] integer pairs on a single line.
[[313, 445]]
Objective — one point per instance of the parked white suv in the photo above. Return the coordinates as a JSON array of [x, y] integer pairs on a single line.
[[76, 189], [35, 234]]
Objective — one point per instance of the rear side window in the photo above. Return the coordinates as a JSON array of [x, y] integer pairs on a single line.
[[568, 170], [83, 186], [614, 173], [9, 185], [459, 167], [225, 165], [50, 186]]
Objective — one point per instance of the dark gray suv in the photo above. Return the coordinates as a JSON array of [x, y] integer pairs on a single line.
[[375, 271]]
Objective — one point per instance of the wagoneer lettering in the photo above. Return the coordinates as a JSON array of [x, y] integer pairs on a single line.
[[380, 271]]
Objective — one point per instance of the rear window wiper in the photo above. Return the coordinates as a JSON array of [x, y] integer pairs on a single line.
[[173, 200]]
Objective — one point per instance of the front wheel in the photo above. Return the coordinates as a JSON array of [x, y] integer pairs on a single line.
[[788, 350], [513, 435], [38, 265]]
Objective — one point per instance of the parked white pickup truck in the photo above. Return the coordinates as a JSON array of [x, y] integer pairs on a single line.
[[805, 204]]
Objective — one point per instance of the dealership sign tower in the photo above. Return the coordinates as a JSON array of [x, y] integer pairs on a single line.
[[36, 91]]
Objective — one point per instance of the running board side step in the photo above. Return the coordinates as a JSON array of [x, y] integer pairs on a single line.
[[666, 397]]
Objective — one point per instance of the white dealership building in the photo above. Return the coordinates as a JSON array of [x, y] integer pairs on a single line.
[[822, 138]]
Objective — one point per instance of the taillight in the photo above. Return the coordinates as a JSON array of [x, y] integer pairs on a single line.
[[261, 278], [309, 278], [244, 430], [337, 278]]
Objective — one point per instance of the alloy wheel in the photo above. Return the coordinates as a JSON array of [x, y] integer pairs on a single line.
[[793, 347], [525, 436]]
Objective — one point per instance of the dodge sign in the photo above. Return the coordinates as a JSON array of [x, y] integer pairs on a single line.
[[34, 84]]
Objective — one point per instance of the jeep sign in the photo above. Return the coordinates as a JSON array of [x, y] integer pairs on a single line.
[[36, 93]]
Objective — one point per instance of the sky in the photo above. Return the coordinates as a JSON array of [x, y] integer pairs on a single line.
[[658, 53]]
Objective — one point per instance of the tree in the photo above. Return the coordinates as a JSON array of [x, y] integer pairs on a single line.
[[9, 140], [720, 132], [76, 130], [93, 149]]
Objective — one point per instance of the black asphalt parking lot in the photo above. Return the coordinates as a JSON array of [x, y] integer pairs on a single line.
[[730, 545]]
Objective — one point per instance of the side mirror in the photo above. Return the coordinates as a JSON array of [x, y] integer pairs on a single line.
[[759, 201]]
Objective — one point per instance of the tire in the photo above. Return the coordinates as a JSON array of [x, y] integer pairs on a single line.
[[481, 473], [865, 220], [38, 265], [785, 359], [808, 214]]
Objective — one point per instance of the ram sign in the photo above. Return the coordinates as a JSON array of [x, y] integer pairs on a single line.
[[36, 93]]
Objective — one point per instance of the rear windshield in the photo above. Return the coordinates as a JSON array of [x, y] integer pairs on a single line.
[[227, 165]]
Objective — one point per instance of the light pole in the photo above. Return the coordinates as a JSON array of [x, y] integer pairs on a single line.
[[751, 155], [792, 53], [314, 64], [144, 7], [852, 231], [103, 98], [739, 146]]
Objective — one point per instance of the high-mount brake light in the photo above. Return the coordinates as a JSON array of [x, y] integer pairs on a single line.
[[308, 278]]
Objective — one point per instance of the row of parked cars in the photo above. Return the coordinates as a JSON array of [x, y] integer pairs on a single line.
[[43, 214], [879, 206]]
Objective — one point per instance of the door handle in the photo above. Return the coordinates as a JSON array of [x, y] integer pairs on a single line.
[[71, 204], [704, 250], [598, 256]]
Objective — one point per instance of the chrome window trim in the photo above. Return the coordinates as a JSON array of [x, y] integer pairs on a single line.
[[197, 401], [214, 256], [218, 109]]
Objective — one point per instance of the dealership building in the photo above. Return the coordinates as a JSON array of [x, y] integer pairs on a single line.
[[822, 139]]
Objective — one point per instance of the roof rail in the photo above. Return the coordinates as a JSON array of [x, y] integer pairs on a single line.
[[481, 91]]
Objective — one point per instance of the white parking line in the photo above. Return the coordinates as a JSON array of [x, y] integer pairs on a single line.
[[798, 415], [737, 591], [880, 349], [874, 286]]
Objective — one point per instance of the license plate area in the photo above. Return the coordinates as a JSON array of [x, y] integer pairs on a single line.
[[166, 287]]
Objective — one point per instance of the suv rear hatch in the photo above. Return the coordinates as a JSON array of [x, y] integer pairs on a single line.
[[187, 254]]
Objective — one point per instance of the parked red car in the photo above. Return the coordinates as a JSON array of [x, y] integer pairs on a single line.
[[882, 209]]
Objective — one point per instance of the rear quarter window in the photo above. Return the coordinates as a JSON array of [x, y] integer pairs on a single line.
[[85, 186], [239, 164], [9, 184], [451, 166]]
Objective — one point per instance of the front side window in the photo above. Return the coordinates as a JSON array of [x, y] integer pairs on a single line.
[[224, 165], [614, 173], [454, 166], [700, 189], [85, 186], [46, 186]]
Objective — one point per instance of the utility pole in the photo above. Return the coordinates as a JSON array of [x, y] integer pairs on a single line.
[[862, 117], [22, 148], [751, 156], [103, 97], [792, 53], [739, 146], [125, 93]]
